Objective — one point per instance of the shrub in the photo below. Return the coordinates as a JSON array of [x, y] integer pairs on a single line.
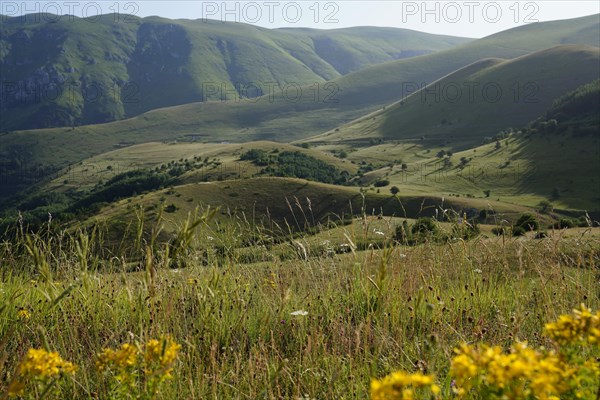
[[299, 165], [518, 231], [564, 223], [483, 214], [545, 207], [424, 226], [257, 156], [381, 183], [525, 223]]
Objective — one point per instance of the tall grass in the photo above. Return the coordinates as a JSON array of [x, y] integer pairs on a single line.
[[370, 310]]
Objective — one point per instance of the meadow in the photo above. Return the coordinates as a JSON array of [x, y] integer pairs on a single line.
[[192, 318]]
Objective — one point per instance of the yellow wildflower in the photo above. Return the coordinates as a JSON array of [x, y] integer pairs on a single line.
[[161, 354], [580, 328], [121, 359], [400, 385], [39, 363], [23, 314], [520, 373]]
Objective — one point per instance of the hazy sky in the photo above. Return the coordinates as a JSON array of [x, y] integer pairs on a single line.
[[460, 18]]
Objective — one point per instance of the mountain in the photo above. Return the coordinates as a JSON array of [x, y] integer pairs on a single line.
[[29, 156], [479, 100], [67, 71]]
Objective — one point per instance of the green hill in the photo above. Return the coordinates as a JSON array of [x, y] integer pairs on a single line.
[[319, 108], [296, 203], [577, 111], [555, 157], [220, 161], [29, 156], [71, 71], [478, 101]]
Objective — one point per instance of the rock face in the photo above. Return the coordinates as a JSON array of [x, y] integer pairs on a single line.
[[67, 71]]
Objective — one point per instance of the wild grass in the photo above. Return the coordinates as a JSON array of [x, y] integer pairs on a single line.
[[367, 312]]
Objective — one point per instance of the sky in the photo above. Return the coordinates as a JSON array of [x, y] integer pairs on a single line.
[[458, 18]]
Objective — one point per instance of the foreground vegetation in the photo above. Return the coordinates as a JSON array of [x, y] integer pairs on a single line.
[[303, 326]]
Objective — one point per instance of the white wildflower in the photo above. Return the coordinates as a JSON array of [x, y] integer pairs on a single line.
[[299, 312]]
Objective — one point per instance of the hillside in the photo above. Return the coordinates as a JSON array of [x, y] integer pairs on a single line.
[[577, 111], [478, 101], [553, 158], [70, 71], [296, 203], [399, 215], [90, 172], [275, 117]]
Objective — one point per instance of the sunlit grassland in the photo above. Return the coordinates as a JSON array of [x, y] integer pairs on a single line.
[[369, 312], [520, 169], [89, 172]]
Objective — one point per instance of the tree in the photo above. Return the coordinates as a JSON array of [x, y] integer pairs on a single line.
[[424, 225], [381, 183], [525, 223], [394, 190]]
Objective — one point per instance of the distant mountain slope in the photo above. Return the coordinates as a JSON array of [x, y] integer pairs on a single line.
[[38, 152], [479, 100], [73, 71], [554, 157], [577, 111]]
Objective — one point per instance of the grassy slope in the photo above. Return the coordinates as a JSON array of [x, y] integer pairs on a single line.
[[536, 165], [449, 110], [86, 174], [169, 62], [277, 118], [531, 165], [301, 203]]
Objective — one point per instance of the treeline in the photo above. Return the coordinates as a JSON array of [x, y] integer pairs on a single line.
[[585, 100], [124, 185], [295, 164], [39, 208]]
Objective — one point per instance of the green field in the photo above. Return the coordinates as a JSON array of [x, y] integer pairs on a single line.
[[311, 317]]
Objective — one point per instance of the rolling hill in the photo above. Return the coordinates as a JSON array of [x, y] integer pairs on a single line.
[[281, 118], [478, 101], [293, 204], [554, 157], [68, 71], [30, 156]]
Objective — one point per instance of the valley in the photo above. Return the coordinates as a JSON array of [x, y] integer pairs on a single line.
[[209, 209]]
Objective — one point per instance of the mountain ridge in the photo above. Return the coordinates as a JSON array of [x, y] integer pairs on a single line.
[[108, 70]]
